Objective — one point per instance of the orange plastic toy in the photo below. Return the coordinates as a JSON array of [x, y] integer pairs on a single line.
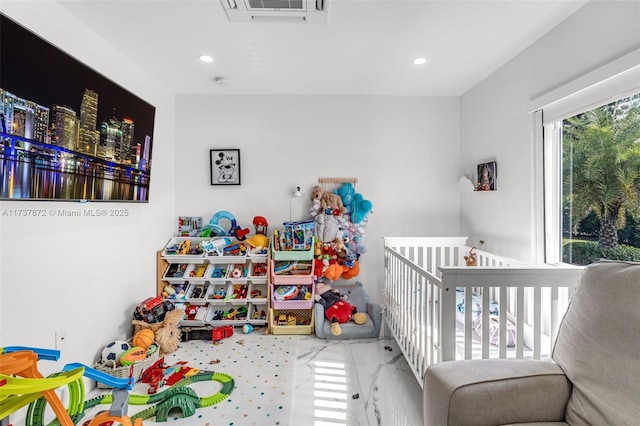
[[30, 384]]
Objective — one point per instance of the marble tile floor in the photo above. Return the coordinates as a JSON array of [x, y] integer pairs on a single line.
[[362, 382]]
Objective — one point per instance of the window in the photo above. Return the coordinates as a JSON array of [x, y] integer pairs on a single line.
[[587, 175], [592, 184]]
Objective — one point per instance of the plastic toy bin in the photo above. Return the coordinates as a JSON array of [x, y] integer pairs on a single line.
[[291, 254], [293, 304], [172, 252], [306, 278], [307, 316]]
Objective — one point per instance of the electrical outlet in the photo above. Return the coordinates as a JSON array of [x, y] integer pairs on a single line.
[[61, 338]]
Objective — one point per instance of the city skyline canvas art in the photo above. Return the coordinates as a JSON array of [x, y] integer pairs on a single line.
[[68, 133]]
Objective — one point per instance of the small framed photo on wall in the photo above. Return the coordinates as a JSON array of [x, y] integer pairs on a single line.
[[487, 176], [225, 166]]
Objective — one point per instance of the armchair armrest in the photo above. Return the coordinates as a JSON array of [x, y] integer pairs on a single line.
[[375, 312], [319, 320], [493, 392]]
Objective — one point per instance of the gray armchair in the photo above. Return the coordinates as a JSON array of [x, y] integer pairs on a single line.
[[357, 297], [594, 378]]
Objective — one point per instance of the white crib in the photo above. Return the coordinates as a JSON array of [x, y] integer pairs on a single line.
[[428, 289]]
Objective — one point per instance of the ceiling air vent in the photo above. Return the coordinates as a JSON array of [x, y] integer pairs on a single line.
[[300, 11]]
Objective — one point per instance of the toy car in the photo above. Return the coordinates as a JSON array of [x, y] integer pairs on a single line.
[[153, 310], [282, 319], [220, 333], [219, 273], [219, 294]]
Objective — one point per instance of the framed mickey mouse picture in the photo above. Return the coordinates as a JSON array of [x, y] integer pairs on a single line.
[[225, 166]]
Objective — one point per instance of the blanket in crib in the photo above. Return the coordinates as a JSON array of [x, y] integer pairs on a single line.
[[476, 304]]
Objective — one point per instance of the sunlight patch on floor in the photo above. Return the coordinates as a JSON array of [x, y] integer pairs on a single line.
[[330, 394]]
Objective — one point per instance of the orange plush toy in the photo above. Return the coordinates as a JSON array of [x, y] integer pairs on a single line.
[[351, 272], [334, 271]]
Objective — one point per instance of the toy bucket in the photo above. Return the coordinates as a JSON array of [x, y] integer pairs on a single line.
[[299, 235]]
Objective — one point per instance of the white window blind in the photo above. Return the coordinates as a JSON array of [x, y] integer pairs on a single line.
[[615, 80]]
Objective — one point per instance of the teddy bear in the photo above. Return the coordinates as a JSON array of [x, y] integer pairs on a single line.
[[316, 193], [337, 310], [333, 202]]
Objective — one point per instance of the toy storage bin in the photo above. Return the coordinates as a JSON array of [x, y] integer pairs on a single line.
[[258, 271], [294, 278], [172, 256], [197, 291], [231, 271], [124, 371], [293, 304], [198, 320], [217, 292], [306, 315], [277, 254], [257, 255], [237, 253], [217, 271], [299, 235], [258, 312], [258, 292], [196, 271], [176, 271], [216, 312], [242, 288]]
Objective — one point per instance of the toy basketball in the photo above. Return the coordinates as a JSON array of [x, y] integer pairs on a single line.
[[143, 338]]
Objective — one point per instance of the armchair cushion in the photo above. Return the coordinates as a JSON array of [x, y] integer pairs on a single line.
[[598, 345], [357, 297], [494, 392]]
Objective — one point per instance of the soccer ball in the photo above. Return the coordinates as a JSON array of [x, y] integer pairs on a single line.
[[111, 353]]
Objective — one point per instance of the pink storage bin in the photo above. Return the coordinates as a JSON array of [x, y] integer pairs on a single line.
[[295, 278], [293, 304]]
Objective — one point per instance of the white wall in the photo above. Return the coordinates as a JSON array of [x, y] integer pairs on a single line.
[[495, 123], [84, 274], [403, 150]]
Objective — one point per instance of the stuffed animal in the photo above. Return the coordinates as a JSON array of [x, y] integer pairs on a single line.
[[332, 202], [361, 208], [351, 272], [325, 228], [316, 193], [334, 271], [471, 259], [346, 193], [337, 310], [168, 337]]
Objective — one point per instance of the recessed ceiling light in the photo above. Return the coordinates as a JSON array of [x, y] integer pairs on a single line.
[[205, 58], [420, 61]]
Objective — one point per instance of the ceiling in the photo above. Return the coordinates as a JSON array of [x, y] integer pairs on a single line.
[[365, 48]]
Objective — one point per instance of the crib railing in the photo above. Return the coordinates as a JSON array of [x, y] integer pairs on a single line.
[[438, 310]]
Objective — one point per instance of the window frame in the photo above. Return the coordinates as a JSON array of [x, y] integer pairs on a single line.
[[608, 83]]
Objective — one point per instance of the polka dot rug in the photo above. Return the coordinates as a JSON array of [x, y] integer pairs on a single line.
[[262, 367]]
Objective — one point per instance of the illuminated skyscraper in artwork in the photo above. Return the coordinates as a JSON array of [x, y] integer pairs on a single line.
[[22, 117], [126, 150], [64, 127], [110, 139], [144, 162], [89, 135]]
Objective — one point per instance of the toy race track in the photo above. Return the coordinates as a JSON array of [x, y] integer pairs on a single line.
[[178, 396]]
